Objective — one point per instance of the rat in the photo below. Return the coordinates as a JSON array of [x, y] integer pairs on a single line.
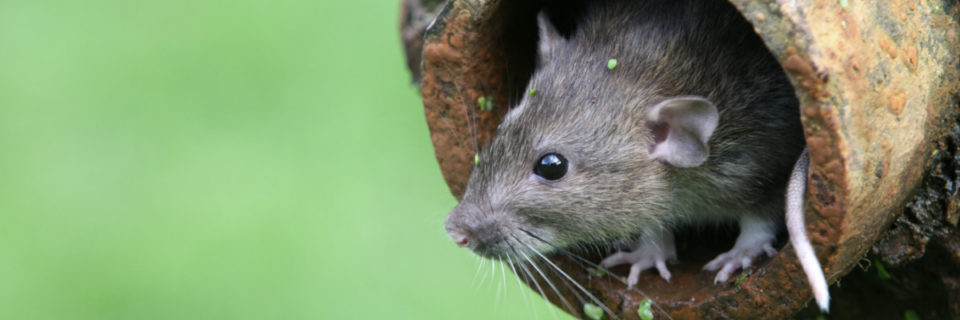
[[695, 123]]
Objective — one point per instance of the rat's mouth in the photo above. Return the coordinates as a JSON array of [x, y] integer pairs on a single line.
[[520, 245]]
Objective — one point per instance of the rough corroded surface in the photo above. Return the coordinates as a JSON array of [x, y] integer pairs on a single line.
[[875, 79], [932, 215], [877, 82], [454, 77], [465, 58], [415, 16], [921, 252]]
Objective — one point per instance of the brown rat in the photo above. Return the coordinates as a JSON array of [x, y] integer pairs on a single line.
[[696, 124]]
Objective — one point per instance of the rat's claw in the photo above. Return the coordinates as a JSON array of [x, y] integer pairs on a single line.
[[650, 252], [727, 271], [639, 261], [645, 264], [728, 263], [756, 238], [736, 259]]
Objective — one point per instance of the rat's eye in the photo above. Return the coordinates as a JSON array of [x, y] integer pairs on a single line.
[[551, 166]]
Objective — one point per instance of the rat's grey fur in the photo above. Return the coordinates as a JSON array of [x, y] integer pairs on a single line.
[[596, 118]]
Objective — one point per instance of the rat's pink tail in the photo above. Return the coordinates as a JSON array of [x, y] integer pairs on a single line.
[[798, 232]]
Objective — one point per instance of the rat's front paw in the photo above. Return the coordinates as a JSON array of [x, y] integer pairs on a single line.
[[650, 252], [756, 237], [736, 259]]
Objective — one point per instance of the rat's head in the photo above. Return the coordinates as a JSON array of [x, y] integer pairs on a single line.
[[586, 157]]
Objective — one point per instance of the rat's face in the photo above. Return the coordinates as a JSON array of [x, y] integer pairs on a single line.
[[585, 159], [566, 167]]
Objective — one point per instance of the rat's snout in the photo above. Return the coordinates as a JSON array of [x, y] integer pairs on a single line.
[[484, 234], [459, 237]]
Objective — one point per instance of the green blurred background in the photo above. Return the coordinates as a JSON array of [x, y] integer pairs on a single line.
[[223, 160]]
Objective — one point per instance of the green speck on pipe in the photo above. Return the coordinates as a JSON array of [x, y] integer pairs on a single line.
[[742, 277], [592, 311], [911, 315], [644, 310], [597, 272]]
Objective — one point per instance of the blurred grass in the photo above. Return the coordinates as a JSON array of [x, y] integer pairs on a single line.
[[222, 160]]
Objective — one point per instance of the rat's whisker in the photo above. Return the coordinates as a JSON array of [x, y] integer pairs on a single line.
[[576, 286], [539, 289], [549, 283], [596, 266], [481, 269], [496, 301], [562, 250], [503, 273], [570, 289], [523, 291], [563, 281], [484, 279], [477, 273], [531, 278], [564, 274]]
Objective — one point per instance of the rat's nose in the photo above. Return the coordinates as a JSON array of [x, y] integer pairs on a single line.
[[481, 233], [458, 237], [457, 232]]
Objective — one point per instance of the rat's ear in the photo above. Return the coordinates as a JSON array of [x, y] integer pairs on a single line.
[[681, 127], [550, 38]]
